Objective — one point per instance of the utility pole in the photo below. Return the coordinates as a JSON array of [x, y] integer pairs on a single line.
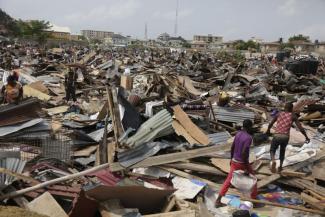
[[145, 32], [176, 20]]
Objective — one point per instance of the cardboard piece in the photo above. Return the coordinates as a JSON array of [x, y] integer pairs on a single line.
[[38, 85], [57, 110], [126, 82], [31, 92], [46, 205], [147, 200], [190, 132], [188, 84]]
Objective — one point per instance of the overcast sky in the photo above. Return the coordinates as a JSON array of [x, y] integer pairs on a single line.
[[232, 19]]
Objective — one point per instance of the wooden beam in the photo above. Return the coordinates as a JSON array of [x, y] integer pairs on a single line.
[[293, 174], [284, 206], [170, 204], [295, 167], [313, 202], [171, 158], [196, 167]]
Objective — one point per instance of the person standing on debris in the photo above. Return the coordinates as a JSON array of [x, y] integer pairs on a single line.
[[12, 91], [284, 122], [70, 85], [239, 159]]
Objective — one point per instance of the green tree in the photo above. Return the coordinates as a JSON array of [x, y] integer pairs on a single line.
[[299, 37], [242, 45], [36, 29], [284, 46]]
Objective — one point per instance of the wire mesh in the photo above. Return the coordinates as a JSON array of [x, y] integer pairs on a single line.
[[30, 146]]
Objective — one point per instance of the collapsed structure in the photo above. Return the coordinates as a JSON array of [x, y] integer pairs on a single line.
[[149, 133]]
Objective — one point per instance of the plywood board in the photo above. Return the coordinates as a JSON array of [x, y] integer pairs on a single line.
[[195, 132], [46, 205]]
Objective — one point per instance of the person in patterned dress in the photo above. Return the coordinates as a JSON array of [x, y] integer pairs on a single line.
[[284, 121]]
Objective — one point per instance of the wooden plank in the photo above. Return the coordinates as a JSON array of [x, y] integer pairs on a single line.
[[181, 213], [295, 167], [305, 184], [315, 195], [195, 132], [117, 114], [313, 202], [46, 205], [196, 167], [181, 131], [85, 152], [284, 206], [169, 205], [222, 164], [171, 158], [293, 173]]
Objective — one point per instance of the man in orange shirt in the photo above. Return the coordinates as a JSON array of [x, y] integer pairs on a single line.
[[12, 91]]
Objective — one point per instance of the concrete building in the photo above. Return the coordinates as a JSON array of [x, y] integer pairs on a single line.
[[59, 32], [163, 37], [206, 42], [208, 38], [270, 47], [176, 42], [229, 45], [94, 34], [303, 46], [117, 40], [199, 45], [320, 47]]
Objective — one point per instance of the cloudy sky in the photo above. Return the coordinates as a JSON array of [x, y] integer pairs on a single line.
[[233, 19]]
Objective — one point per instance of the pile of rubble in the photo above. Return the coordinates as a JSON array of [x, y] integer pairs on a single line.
[[148, 132]]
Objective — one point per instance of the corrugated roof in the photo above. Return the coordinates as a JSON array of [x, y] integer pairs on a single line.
[[157, 126], [140, 152], [219, 138], [24, 111], [232, 115], [12, 164]]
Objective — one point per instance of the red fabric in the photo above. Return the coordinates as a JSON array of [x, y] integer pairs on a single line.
[[236, 166], [284, 123]]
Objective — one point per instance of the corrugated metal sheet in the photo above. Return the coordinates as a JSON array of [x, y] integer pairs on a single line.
[[219, 138], [13, 164], [6, 130], [140, 152], [256, 91], [14, 114], [232, 115], [157, 126]]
